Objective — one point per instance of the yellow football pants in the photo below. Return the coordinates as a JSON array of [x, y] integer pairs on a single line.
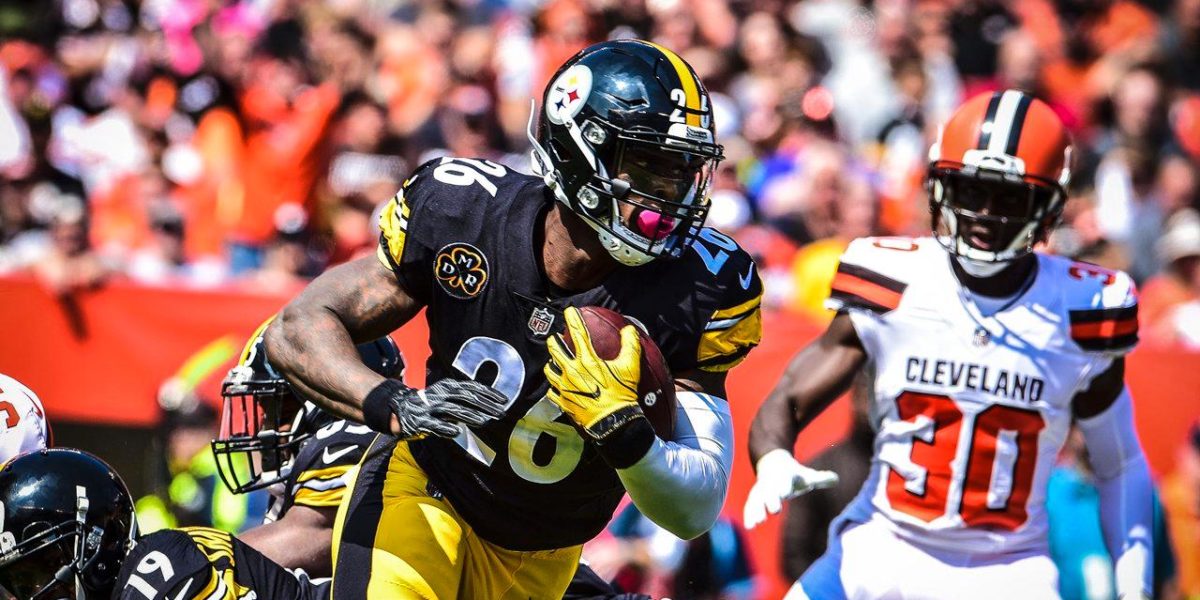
[[393, 540]]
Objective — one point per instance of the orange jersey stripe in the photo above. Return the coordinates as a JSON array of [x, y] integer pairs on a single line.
[[844, 282], [1103, 329]]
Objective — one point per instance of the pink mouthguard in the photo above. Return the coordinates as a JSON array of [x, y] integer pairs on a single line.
[[653, 225]]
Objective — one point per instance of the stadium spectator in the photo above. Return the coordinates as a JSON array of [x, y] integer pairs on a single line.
[[233, 109], [69, 265], [1167, 296]]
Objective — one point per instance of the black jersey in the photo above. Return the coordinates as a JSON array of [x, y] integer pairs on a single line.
[[459, 237], [198, 563], [317, 476]]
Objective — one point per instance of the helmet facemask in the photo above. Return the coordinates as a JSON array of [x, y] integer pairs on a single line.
[[985, 216], [259, 434], [652, 202]]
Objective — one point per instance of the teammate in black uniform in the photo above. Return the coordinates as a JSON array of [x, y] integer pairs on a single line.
[[271, 438], [500, 507], [68, 531]]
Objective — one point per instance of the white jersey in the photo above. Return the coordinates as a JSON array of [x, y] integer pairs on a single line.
[[970, 405], [22, 421]]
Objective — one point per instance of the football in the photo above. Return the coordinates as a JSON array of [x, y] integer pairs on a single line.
[[656, 390]]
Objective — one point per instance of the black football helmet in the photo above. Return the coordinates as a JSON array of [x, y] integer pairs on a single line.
[[263, 422], [626, 140], [67, 525]]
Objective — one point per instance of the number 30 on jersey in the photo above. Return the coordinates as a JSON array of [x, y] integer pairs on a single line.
[[991, 489]]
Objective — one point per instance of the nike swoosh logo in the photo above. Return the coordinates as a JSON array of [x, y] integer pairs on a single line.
[[745, 279], [328, 457]]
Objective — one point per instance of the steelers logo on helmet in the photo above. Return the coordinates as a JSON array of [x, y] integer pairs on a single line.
[[568, 94], [997, 178], [627, 142]]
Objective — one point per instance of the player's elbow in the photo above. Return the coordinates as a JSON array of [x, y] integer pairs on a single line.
[[280, 340], [695, 524], [694, 516]]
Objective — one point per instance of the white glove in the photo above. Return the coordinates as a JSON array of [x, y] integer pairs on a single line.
[[780, 478]]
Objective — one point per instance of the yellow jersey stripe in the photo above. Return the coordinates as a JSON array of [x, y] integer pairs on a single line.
[[307, 497], [393, 222], [691, 88], [210, 588], [745, 307], [730, 335], [326, 473]]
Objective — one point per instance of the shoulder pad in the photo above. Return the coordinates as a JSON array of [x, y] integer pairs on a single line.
[[447, 193], [874, 272], [734, 327], [1102, 306], [445, 200]]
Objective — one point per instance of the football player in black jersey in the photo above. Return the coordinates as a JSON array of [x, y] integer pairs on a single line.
[[489, 491], [271, 438], [67, 532]]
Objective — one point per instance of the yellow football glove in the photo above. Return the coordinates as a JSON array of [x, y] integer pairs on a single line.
[[599, 395]]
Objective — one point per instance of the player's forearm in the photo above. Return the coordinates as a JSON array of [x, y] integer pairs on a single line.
[[1126, 518], [814, 378], [681, 484], [1126, 494], [314, 352], [774, 426], [311, 343], [294, 547], [679, 488]]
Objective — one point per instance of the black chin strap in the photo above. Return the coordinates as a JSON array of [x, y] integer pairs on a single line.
[[62, 577]]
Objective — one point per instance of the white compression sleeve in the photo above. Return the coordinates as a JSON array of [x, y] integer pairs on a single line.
[[681, 484], [1126, 495]]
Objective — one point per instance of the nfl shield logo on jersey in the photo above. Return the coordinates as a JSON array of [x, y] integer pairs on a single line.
[[540, 321]]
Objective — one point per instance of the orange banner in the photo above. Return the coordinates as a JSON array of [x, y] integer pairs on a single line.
[[101, 356]]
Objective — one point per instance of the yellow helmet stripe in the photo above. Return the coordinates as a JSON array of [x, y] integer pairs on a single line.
[[254, 338], [691, 88]]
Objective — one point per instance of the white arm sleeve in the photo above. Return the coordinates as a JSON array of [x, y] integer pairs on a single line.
[[1126, 495], [681, 484]]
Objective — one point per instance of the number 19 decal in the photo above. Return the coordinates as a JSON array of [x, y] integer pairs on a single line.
[[1001, 456]]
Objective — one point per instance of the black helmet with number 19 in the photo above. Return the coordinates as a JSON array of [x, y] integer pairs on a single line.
[[264, 422], [66, 524], [626, 140]]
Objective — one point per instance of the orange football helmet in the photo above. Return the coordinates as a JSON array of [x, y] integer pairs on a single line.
[[997, 176]]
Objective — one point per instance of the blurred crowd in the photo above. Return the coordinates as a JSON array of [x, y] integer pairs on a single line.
[[249, 142]]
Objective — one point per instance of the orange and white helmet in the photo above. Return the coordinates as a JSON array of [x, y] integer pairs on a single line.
[[23, 426], [997, 176]]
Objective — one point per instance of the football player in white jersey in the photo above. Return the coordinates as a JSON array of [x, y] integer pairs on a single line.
[[981, 353], [23, 424]]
